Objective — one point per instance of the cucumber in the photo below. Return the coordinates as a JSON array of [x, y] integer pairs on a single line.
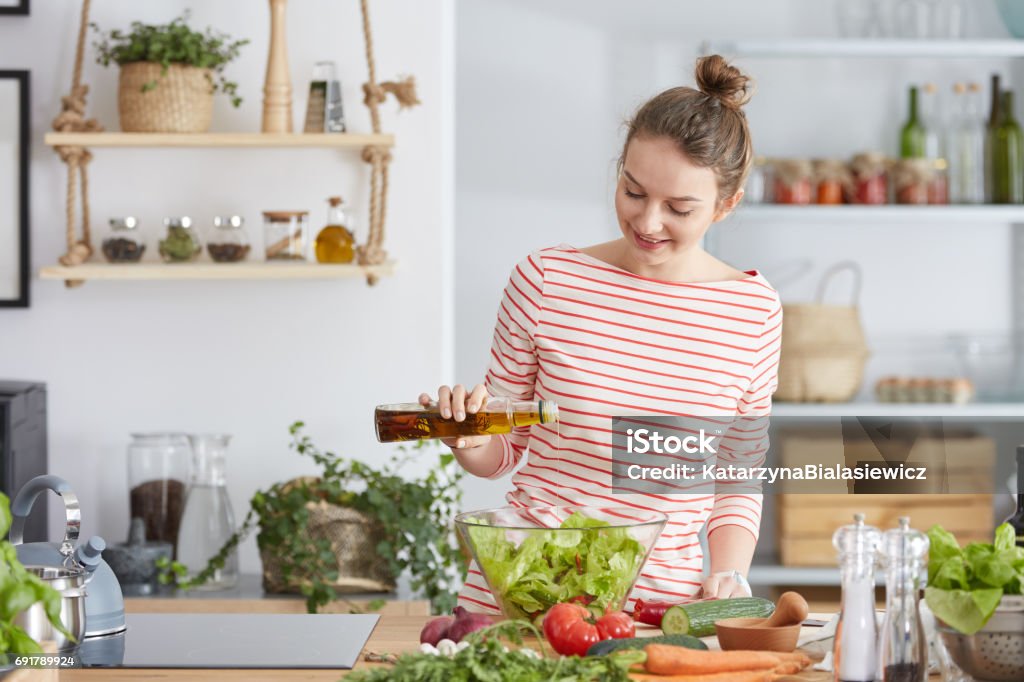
[[607, 646], [698, 619]]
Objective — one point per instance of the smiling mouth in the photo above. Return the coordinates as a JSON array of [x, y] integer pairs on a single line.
[[647, 240]]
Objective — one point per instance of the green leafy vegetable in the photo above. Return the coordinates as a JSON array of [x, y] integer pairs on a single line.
[[488, 660], [598, 564], [965, 586]]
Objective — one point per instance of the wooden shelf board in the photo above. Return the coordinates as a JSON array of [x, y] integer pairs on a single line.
[[210, 271], [977, 214], [880, 48], [319, 140]]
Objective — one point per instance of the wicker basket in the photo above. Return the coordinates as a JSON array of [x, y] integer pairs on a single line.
[[354, 538], [181, 102], [823, 348]]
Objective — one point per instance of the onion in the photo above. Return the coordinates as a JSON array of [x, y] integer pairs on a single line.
[[436, 630], [467, 622]]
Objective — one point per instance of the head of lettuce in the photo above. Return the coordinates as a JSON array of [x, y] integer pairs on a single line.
[[965, 585]]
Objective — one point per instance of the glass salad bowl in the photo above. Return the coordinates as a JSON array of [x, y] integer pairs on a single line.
[[535, 557]]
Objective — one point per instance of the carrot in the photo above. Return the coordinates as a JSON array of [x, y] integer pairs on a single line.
[[663, 659], [747, 676]]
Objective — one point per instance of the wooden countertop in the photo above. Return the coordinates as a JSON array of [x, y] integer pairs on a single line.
[[398, 631]]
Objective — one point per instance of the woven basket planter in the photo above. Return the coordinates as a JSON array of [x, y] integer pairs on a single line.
[[181, 102], [353, 537]]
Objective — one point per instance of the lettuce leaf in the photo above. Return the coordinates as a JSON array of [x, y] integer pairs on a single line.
[[598, 564], [965, 586]]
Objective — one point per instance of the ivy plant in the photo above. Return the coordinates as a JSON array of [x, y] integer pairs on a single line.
[[415, 515], [172, 43]]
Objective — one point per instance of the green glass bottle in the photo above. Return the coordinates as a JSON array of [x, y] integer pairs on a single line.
[[1007, 147], [990, 129], [913, 136]]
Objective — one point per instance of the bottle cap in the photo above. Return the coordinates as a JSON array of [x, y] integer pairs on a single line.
[[857, 538], [228, 221], [178, 221], [334, 201], [126, 223], [548, 411], [930, 88], [959, 88]]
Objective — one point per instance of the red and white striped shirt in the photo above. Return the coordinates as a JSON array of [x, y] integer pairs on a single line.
[[601, 342]]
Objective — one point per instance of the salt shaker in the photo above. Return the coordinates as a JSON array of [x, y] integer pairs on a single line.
[[903, 655], [855, 657]]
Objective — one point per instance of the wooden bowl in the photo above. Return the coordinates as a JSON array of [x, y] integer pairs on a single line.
[[738, 633]]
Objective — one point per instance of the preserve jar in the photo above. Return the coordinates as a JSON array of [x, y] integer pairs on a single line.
[[869, 177], [912, 180], [285, 234], [158, 472], [831, 178], [228, 242], [792, 181], [181, 244], [123, 244]]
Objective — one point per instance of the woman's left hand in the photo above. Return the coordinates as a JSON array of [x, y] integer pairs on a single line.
[[724, 585]]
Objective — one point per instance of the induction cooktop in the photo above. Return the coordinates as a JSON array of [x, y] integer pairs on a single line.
[[235, 641]]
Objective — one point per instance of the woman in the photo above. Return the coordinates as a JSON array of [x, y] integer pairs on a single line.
[[649, 323]]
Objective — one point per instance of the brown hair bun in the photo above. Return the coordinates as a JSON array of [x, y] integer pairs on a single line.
[[718, 79]]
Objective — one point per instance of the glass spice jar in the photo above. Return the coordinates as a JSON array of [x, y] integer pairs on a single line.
[[228, 242], [870, 179], [912, 180], [123, 244], [938, 187], [832, 179], [792, 181], [285, 234], [181, 244]]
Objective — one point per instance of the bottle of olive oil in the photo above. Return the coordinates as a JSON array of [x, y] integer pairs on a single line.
[[411, 421], [336, 243]]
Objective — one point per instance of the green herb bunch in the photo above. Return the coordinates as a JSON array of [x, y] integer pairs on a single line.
[[173, 43], [415, 515], [19, 590], [488, 659]]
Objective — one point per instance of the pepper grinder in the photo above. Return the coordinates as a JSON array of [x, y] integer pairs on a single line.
[[904, 649], [855, 656]]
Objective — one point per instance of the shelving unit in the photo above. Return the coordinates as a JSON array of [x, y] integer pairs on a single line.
[[129, 140], [881, 48], [866, 409], [213, 271]]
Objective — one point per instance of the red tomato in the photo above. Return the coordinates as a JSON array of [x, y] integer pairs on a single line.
[[571, 629]]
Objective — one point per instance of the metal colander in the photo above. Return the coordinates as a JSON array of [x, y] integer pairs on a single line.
[[996, 652]]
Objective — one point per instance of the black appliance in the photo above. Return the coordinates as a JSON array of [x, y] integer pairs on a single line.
[[23, 445]]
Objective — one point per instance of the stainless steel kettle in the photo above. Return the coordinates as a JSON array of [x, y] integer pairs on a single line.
[[104, 603]]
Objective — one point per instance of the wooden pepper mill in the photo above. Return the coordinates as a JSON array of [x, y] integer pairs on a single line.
[[277, 88]]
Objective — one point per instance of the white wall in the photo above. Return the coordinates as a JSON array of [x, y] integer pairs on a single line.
[[246, 358], [919, 280]]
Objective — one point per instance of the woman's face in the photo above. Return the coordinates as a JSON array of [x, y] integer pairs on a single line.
[[664, 202]]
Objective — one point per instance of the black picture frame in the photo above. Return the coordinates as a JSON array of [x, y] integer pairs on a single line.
[[22, 106], [20, 8]]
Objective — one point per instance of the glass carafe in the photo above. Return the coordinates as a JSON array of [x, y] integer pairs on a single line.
[[903, 655], [208, 520], [855, 656]]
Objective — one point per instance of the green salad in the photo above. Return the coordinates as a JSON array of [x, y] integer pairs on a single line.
[[965, 585], [596, 565]]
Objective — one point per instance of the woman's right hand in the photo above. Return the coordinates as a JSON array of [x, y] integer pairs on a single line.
[[455, 403]]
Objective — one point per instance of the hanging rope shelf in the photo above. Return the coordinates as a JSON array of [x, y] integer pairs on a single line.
[[77, 156]]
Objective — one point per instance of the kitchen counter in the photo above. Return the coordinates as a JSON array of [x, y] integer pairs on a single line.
[[397, 632]]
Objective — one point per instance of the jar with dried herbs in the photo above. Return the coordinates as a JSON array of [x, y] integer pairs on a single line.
[[123, 244], [228, 242], [792, 181], [181, 244]]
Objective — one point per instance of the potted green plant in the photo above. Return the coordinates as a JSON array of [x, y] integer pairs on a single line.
[[353, 528], [169, 74], [19, 591]]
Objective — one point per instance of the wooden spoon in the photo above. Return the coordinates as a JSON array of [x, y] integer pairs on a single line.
[[791, 609]]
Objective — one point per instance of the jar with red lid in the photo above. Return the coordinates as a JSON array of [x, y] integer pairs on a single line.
[[832, 180], [793, 183], [869, 178]]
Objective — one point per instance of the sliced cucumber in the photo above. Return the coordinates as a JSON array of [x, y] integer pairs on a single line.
[[609, 645], [698, 619]]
